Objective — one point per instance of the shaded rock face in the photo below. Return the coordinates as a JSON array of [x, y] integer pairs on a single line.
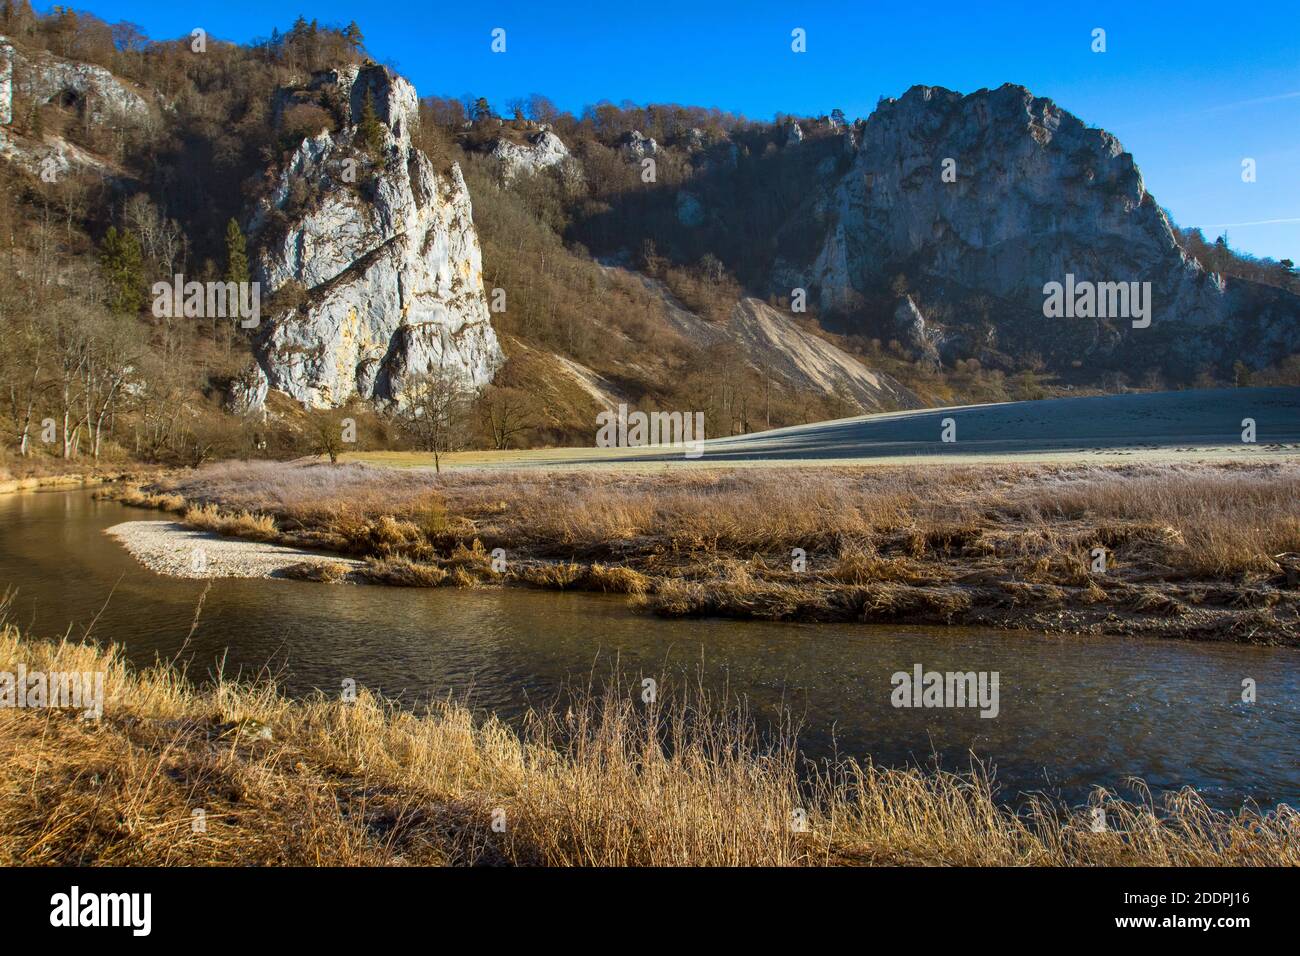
[[544, 150], [382, 260], [44, 78], [1037, 195]]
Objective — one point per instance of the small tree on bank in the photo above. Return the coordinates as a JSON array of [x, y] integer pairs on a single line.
[[325, 433], [436, 412]]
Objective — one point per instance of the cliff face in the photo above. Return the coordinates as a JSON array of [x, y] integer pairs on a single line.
[[378, 255], [42, 77], [35, 78], [1035, 195]]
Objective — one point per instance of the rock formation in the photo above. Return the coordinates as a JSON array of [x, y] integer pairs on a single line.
[[636, 146], [915, 332], [1034, 195], [377, 275], [6, 82], [36, 79], [40, 77], [543, 150]]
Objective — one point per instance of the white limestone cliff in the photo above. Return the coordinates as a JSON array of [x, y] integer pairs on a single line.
[[379, 271]]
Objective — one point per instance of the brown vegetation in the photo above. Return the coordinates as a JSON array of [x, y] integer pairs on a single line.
[[1207, 551], [607, 782]]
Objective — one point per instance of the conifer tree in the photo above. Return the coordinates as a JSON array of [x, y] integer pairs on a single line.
[[352, 34], [123, 268], [236, 253], [370, 132]]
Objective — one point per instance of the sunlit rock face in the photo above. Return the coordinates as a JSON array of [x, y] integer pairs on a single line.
[[42, 77], [374, 258], [636, 146], [543, 150], [38, 78], [6, 82]]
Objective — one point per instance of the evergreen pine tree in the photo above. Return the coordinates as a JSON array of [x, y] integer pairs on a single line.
[[353, 35], [123, 268], [370, 132], [236, 253]]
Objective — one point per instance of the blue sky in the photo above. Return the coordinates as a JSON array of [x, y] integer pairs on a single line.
[[1190, 88]]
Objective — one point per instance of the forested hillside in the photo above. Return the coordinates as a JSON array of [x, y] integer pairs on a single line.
[[665, 256]]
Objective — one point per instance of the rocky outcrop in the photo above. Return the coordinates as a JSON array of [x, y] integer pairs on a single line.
[[40, 77], [246, 392], [542, 151], [637, 147], [376, 276], [793, 133], [1032, 195], [50, 154], [915, 332]]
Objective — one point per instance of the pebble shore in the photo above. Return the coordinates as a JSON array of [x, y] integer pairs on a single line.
[[170, 548]]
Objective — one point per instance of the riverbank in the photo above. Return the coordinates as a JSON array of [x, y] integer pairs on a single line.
[[9, 485], [237, 774], [1203, 551]]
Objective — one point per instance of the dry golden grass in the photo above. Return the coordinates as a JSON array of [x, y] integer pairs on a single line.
[[403, 572], [137, 496], [617, 580], [606, 782], [322, 572], [243, 524], [880, 543], [1202, 518]]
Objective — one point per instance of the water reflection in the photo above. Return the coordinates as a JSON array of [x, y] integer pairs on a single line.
[[1073, 711]]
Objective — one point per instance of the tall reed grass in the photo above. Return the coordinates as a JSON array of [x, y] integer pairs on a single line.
[[604, 781]]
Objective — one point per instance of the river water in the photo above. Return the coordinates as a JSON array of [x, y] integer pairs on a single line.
[[1073, 712]]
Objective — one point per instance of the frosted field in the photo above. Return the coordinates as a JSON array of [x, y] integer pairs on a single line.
[[1193, 425]]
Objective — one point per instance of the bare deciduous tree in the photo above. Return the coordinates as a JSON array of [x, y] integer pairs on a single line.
[[504, 413], [436, 412]]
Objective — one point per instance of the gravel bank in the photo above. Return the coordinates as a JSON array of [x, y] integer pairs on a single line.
[[173, 549]]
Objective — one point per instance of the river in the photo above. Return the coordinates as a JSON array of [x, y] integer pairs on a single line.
[[1073, 711]]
